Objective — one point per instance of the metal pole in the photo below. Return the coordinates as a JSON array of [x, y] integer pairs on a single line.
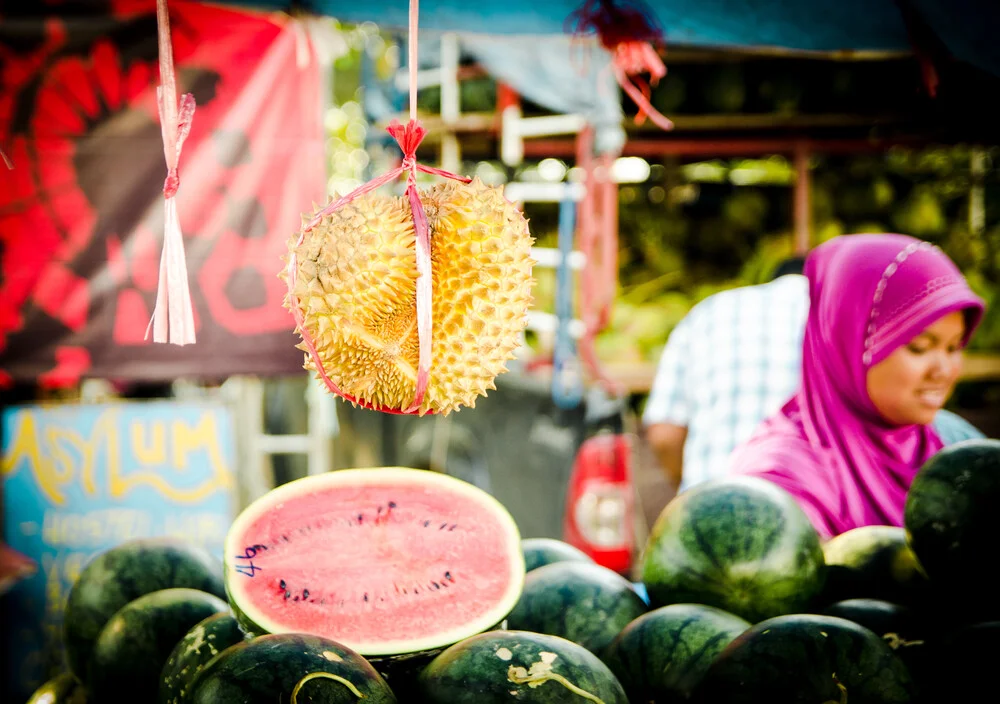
[[802, 209]]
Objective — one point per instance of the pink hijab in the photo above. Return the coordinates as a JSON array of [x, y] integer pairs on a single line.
[[828, 446]]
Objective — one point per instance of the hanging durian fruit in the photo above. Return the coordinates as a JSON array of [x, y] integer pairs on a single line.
[[356, 282]]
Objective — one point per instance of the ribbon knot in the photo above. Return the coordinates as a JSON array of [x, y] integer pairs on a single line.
[[171, 183]]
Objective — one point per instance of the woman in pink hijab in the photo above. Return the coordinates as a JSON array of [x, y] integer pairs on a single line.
[[889, 316]]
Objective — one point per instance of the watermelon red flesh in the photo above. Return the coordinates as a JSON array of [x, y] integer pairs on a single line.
[[385, 561]]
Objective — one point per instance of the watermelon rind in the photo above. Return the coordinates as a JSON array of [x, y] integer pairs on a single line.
[[199, 645], [124, 573], [539, 552], [873, 562], [951, 524], [136, 642], [499, 667], [741, 544], [255, 622], [662, 655], [582, 602], [290, 667], [806, 658], [61, 689]]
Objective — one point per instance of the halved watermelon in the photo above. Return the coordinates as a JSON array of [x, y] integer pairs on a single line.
[[385, 560]]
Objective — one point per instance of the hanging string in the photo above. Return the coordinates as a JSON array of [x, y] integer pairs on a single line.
[[408, 137], [173, 315]]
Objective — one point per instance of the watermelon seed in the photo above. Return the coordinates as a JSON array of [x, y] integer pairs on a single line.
[[453, 526], [361, 517], [442, 526], [366, 596], [436, 585], [296, 598], [392, 505], [426, 523], [305, 593], [447, 575], [288, 595], [282, 584]]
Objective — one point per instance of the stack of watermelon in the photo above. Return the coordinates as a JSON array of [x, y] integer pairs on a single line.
[[397, 585]]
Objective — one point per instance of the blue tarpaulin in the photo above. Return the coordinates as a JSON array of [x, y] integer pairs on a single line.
[[967, 28]]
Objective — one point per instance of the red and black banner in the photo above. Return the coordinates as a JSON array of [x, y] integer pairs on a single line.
[[81, 211]]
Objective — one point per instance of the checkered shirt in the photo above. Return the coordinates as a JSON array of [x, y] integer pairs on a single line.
[[730, 363]]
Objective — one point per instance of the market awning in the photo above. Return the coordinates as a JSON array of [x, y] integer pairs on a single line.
[[966, 27]]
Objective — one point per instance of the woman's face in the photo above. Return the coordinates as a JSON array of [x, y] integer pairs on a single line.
[[912, 384]]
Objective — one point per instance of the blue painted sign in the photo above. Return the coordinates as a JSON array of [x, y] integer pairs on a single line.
[[81, 479]]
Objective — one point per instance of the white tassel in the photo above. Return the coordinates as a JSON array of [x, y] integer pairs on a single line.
[[173, 316]]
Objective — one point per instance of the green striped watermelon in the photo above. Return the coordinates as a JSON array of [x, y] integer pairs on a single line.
[[124, 573], [951, 526], [136, 642], [810, 659], [582, 602], [539, 552], [873, 562], [501, 667], [290, 668], [741, 544], [662, 656], [202, 643]]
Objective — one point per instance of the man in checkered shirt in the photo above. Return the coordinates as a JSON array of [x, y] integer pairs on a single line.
[[729, 364]]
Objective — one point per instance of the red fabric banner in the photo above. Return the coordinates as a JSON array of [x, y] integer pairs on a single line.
[[81, 212]]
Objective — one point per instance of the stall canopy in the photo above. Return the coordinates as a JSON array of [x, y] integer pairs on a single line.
[[967, 28]]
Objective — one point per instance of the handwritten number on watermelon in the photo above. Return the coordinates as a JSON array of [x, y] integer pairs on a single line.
[[249, 569]]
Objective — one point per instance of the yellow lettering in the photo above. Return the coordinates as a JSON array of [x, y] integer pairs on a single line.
[[184, 440], [150, 451], [26, 448]]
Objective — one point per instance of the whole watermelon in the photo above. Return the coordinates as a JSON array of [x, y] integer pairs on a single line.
[[741, 544], [539, 552], [951, 522], [662, 656], [199, 645], [61, 689], [582, 602], [873, 562], [135, 644], [499, 667], [911, 637], [293, 668], [809, 659], [124, 573]]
